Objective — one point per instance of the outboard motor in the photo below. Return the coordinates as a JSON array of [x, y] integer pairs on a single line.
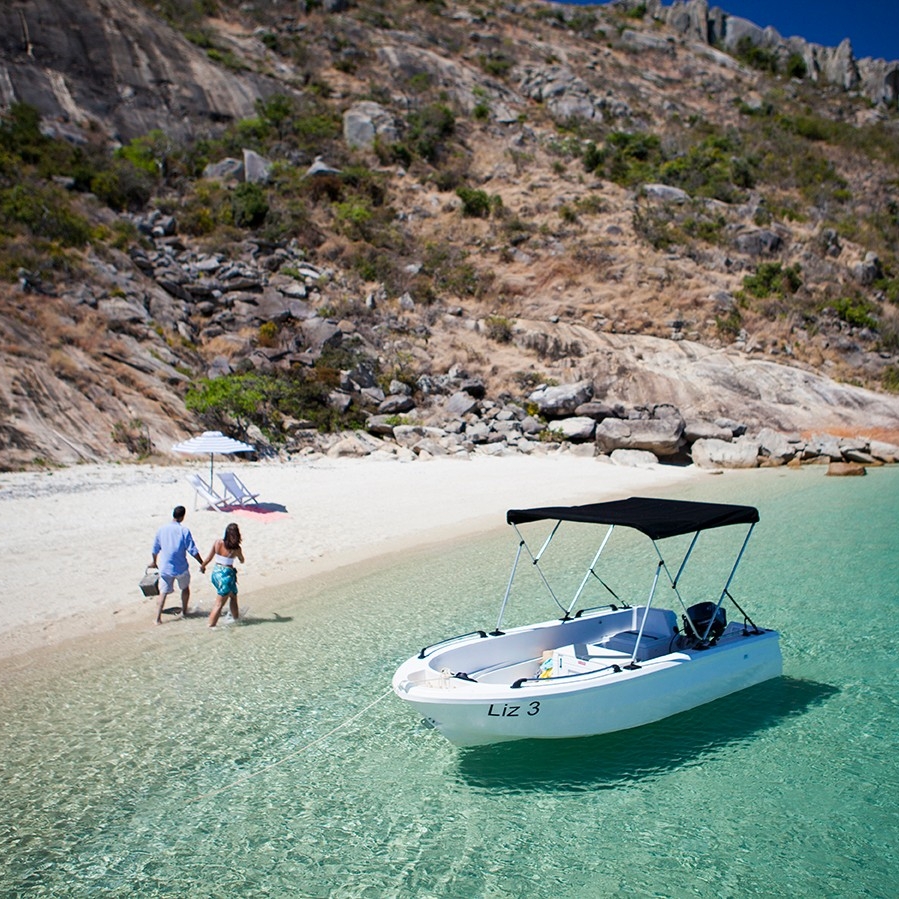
[[701, 614]]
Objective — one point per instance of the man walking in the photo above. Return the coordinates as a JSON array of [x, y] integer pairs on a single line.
[[172, 544]]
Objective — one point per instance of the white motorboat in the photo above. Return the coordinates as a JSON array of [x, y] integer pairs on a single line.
[[605, 668]]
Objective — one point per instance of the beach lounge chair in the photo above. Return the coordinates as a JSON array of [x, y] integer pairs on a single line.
[[236, 489], [206, 493]]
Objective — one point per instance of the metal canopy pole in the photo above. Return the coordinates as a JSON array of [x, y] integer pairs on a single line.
[[546, 543], [590, 569], [502, 609], [683, 564], [733, 571], [652, 593]]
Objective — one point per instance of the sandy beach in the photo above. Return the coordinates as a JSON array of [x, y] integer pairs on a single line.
[[77, 540]]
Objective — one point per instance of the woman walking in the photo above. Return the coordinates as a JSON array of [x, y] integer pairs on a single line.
[[224, 576]]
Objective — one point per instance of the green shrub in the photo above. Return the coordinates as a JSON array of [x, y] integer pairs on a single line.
[[428, 130], [149, 153], [249, 205], [890, 378], [628, 159], [123, 186], [420, 82], [205, 209], [450, 271], [795, 66], [711, 168], [855, 311], [890, 289], [729, 325], [20, 133], [277, 111], [499, 328], [772, 279], [316, 127], [757, 57], [268, 334], [45, 210], [227, 58], [236, 401], [475, 203], [496, 64], [353, 219]]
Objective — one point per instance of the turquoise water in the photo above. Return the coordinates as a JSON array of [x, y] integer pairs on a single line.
[[268, 759]]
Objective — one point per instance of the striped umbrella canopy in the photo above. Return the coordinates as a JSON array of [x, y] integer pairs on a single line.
[[212, 442]]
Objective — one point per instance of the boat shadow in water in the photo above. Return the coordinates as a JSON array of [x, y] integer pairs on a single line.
[[643, 753]]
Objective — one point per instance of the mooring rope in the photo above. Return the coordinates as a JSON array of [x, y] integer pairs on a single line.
[[245, 778]]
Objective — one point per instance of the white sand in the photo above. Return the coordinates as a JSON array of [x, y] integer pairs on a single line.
[[77, 540]]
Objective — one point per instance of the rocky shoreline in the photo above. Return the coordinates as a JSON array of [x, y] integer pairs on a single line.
[[565, 417]]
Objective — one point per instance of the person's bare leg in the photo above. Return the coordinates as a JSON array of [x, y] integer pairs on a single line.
[[235, 612], [160, 606], [216, 610], [185, 599]]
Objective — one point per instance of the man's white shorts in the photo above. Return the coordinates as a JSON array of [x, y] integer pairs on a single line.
[[167, 582]]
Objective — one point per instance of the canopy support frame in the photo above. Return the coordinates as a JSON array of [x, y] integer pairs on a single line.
[[515, 517]]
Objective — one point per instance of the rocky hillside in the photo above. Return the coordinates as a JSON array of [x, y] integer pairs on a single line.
[[297, 218]]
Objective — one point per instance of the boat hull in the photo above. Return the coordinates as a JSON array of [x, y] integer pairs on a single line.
[[619, 697]]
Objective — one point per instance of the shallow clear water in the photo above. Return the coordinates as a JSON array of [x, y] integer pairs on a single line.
[[268, 759]]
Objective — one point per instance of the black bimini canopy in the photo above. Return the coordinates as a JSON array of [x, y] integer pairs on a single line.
[[657, 518]]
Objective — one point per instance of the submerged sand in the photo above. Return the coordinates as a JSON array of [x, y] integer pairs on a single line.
[[78, 540]]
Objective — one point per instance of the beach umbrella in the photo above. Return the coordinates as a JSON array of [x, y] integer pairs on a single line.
[[212, 442]]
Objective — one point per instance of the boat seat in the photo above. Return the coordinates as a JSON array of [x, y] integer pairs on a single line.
[[591, 652], [651, 645]]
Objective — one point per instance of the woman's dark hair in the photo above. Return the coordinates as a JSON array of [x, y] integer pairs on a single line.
[[232, 537]]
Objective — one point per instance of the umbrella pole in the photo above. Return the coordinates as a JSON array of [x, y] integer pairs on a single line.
[[211, 485]]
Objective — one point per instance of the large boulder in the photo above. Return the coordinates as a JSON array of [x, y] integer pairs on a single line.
[[868, 271], [758, 242], [256, 169], [365, 121], [827, 445], [555, 402], [705, 430], [320, 333], [225, 169], [883, 451], [355, 445], [661, 437], [381, 425], [459, 404], [396, 404], [577, 428], [711, 453], [665, 193], [631, 458], [409, 435], [845, 469], [776, 447], [596, 411]]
